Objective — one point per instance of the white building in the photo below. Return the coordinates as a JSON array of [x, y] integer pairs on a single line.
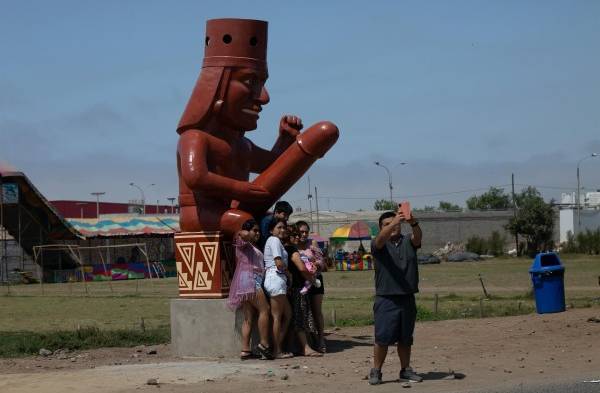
[[589, 199], [588, 216]]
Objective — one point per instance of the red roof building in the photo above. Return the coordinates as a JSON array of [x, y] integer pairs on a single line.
[[87, 209]]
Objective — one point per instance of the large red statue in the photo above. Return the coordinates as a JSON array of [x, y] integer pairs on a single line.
[[214, 158]]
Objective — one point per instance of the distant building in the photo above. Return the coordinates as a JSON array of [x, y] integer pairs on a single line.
[[587, 199], [87, 209]]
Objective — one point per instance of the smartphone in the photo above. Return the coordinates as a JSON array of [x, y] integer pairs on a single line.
[[405, 209]]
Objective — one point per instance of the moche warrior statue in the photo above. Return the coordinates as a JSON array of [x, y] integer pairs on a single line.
[[214, 158]]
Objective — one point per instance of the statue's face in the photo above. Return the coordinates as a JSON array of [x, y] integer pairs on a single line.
[[245, 97]]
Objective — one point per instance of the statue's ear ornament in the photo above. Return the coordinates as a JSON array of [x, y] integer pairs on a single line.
[[217, 107]]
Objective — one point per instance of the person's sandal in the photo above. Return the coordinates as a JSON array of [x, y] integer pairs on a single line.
[[322, 346], [245, 355], [313, 354], [265, 352]]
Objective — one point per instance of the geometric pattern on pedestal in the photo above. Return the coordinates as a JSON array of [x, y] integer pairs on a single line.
[[191, 275], [209, 251], [202, 270]]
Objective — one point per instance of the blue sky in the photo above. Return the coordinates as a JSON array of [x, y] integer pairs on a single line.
[[466, 92]]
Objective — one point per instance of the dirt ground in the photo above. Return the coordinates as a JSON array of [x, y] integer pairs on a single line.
[[485, 354]]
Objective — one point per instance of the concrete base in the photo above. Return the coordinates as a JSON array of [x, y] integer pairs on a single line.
[[205, 328]]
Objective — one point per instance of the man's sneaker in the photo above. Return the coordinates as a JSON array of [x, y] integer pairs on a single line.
[[375, 376], [408, 374]]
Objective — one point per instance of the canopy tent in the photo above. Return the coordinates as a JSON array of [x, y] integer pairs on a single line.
[[359, 230], [125, 225]]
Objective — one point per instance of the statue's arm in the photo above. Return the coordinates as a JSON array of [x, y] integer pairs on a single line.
[[193, 153]]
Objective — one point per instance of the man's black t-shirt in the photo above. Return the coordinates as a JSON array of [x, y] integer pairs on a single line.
[[396, 270]]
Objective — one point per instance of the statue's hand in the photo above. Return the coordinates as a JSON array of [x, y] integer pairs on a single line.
[[290, 125]]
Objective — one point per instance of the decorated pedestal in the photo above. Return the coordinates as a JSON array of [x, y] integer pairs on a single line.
[[206, 327], [205, 264]]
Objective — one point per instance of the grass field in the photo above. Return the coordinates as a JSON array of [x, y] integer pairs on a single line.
[[122, 305]]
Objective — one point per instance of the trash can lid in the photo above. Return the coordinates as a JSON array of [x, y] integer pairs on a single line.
[[546, 262]]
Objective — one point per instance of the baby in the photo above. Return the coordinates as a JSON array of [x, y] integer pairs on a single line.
[[311, 267]]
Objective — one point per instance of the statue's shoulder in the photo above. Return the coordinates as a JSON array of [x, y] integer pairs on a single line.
[[194, 133], [192, 137]]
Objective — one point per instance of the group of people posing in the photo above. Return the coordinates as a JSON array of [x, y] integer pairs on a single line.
[[278, 277]]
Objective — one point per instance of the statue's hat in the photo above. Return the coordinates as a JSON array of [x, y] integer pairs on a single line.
[[235, 43], [228, 43]]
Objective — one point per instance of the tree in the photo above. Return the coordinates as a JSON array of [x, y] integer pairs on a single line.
[[424, 209], [495, 198], [534, 221], [383, 204], [447, 206]]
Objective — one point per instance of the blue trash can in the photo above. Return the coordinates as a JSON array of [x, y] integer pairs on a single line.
[[547, 275]]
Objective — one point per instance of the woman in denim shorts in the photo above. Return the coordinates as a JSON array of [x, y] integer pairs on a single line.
[[276, 284]]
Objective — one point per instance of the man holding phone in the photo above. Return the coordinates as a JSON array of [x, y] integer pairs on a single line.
[[396, 282]]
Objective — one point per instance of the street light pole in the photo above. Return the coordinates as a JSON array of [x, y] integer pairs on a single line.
[[132, 184], [97, 194], [389, 180], [579, 189], [172, 200], [143, 196]]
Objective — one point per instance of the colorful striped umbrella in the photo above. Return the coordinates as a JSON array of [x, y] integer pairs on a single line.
[[359, 230]]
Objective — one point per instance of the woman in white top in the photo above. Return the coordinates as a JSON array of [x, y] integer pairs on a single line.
[[276, 284]]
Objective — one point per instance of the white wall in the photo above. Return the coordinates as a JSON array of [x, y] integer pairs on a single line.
[[567, 223]]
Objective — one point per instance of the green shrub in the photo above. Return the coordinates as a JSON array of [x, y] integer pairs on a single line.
[[476, 244], [587, 242], [494, 245]]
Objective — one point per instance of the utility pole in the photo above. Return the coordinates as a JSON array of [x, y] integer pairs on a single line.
[[515, 212], [310, 203], [317, 207], [97, 194]]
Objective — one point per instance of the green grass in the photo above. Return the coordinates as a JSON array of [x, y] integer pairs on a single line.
[[14, 344], [459, 289], [62, 310]]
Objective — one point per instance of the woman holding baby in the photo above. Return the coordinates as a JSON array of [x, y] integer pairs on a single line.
[[306, 288]]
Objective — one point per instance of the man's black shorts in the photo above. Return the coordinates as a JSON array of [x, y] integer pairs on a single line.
[[395, 318]]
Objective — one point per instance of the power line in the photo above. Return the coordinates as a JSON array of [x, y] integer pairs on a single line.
[[549, 187], [437, 194], [421, 195]]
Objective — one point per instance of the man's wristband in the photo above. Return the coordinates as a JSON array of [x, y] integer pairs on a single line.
[[414, 224]]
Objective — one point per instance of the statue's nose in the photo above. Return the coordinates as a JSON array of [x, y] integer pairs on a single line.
[[263, 97]]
